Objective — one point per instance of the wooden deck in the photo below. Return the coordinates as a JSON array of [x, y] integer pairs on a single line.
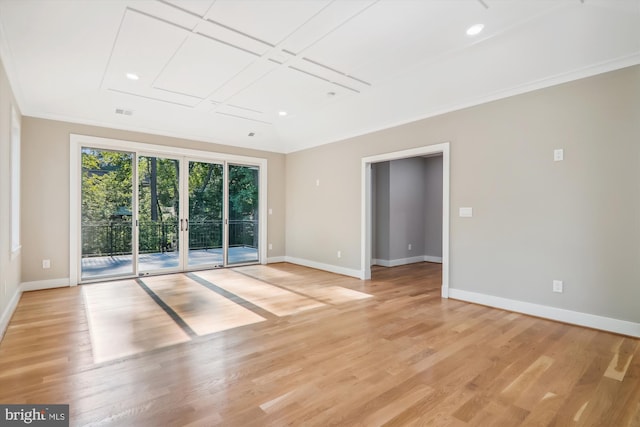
[[403, 356], [122, 265]]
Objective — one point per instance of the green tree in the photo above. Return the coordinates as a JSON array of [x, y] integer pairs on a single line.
[[106, 198], [107, 192]]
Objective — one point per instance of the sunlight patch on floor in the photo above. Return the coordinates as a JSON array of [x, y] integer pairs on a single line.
[[123, 321], [202, 309], [268, 297]]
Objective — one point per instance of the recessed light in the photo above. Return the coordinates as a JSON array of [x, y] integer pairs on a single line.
[[474, 30], [282, 113], [132, 76]]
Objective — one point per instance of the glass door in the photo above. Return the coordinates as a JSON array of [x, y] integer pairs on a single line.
[[158, 214], [204, 222], [147, 213], [243, 201], [106, 225]]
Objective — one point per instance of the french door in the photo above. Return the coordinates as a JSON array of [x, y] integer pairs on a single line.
[[157, 225], [147, 213]]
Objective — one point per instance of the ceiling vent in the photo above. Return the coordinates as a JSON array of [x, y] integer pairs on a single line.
[[124, 112]]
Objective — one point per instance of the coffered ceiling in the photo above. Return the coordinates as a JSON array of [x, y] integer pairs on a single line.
[[227, 71]]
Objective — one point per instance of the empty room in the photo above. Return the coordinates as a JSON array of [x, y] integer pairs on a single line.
[[320, 212]]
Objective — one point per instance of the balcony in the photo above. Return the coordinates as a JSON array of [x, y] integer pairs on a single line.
[[107, 245]]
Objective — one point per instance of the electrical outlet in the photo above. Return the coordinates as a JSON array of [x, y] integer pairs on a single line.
[[339, 254], [557, 286], [270, 246], [409, 246], [270, 211], [46, 263]]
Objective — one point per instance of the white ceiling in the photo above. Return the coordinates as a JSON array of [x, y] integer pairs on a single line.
[[219, 70]]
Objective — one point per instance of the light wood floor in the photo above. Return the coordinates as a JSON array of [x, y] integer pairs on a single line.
[[401, 357]]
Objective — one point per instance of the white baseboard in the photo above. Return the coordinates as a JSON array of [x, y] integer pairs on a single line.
[[568, 316], [405, 261], [8, 312], [326, 267], [275, 259], [44, 284]]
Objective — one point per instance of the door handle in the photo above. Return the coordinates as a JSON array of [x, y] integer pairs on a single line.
[[181, 224], [187, 222]]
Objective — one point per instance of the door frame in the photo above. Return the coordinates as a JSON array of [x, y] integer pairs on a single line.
[[366, 208], [78, 141]]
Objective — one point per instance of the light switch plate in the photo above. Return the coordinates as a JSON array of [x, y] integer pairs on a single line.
[[557, 286], [558, 155], [466, 212]]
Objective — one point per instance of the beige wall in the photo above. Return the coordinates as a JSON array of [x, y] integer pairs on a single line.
[[9, 265], [535, 220], [45, 190]]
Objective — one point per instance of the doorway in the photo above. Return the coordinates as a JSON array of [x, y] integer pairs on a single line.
[[141, 212], [367, 209]]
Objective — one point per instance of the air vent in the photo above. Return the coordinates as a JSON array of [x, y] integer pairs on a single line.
[[124, 112]]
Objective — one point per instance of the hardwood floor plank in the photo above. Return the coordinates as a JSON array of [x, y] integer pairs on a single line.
[[628, 396], [402, 357], [527, 378], [621, 359]]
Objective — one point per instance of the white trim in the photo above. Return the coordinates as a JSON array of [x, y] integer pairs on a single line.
[[15, 252], [365, 219], [446, 167], [553, 313], [8, 312], [15, 167], [262, 206], [75, 167], [39, 285], [326, 267], [365, 207], [398, 261], [405, 261], [275, 259], [132, 146]]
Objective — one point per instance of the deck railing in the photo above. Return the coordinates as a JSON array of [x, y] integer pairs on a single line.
[[110, 238]]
